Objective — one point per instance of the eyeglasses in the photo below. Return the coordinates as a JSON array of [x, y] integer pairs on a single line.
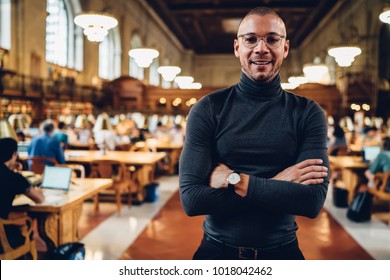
[[272, 41]]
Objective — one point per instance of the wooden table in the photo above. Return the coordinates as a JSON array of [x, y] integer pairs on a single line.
[[352, 169], [58, 216], [173, 153], [145, 162]]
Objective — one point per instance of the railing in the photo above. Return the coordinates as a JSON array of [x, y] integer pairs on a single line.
[[12, 83]]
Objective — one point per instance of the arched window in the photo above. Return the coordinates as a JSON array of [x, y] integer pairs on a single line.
[[64, 42], [154, 76], [135, 71], [5, 24], [110, 55]]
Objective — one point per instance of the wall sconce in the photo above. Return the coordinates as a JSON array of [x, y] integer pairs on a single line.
[[344, 55], [95, 25], [169, 72], [385, 15], [143, 56]]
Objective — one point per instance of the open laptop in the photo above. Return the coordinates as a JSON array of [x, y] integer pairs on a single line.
[[370, 153], [56, 178], [23, 149]]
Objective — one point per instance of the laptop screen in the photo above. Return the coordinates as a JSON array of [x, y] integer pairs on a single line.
[[55, 177], [370, 153]]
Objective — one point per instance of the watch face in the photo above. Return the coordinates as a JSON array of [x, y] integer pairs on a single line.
[[233, 178]]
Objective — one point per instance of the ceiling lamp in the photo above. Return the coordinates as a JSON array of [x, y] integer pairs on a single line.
[[191, 86], [169, 72], [317, 72], [184, 81], [95, 25], [344, 55], [385, 15], [143, 56], [288, 86], [298, 80]]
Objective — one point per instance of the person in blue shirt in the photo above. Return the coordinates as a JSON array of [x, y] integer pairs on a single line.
[[46, 144], [61, 135], [380, 164]]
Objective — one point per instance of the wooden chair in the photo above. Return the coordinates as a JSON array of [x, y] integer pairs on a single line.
[[29, 247], [38, 163], [120, 174], [381, 181], [144, 146]]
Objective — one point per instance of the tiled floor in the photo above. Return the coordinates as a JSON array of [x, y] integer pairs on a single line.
[[172, 235]]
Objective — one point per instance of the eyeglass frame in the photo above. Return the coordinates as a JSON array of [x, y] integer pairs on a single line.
[[263, 38]]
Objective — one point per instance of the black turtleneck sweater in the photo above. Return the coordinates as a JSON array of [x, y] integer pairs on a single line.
[[257, 129]]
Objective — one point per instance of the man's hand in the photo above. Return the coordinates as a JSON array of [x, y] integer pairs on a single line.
[[219, 175], [307, 172]]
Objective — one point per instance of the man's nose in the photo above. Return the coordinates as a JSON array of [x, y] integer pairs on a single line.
[[261, 46]]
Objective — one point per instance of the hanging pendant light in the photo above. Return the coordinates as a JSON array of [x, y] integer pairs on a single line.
[[143, 56], [95, 25], [169, 72], [184, 81], [385, 15], [344, 55], [317, 72]]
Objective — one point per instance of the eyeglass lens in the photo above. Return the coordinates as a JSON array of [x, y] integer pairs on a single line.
[[271, 40]]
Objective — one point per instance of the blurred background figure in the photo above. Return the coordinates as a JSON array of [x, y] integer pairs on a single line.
[[369, 137], [61, 134], [46, 144], [337, 141]]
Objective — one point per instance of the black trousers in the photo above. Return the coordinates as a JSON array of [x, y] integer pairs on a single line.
[[212, 249]]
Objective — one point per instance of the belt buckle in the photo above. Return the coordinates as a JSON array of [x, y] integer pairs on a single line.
[[247, 253]]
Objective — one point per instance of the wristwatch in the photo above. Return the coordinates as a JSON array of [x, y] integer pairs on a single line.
[[233, 178]]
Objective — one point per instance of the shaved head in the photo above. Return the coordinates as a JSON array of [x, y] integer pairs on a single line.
[[262, 11]]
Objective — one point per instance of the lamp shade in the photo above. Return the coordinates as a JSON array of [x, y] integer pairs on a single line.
[[317, 72], [385, 15], [17, 122], [344, 55], [6, 130], [95, 25], [143, 56], [184, 81], [169, 72], [102, 123], [81, 121]]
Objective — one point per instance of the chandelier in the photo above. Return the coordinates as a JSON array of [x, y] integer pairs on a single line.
[[385, 15], [344, 55], [169, 72], [95, 25], [143, 56], [184, 81], [317, 72]]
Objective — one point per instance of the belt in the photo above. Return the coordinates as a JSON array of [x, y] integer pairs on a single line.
[[246, 253]]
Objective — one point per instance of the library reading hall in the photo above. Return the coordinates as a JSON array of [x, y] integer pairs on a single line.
[[119, 138]]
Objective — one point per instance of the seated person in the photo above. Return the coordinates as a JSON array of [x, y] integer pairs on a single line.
[[12, 184], [61, 134], [380, 164], [21, 136], [46, 145], [337, 140], [370, 137]]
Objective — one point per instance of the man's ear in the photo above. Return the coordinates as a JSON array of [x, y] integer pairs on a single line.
[[236, 47], [286, 48]]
